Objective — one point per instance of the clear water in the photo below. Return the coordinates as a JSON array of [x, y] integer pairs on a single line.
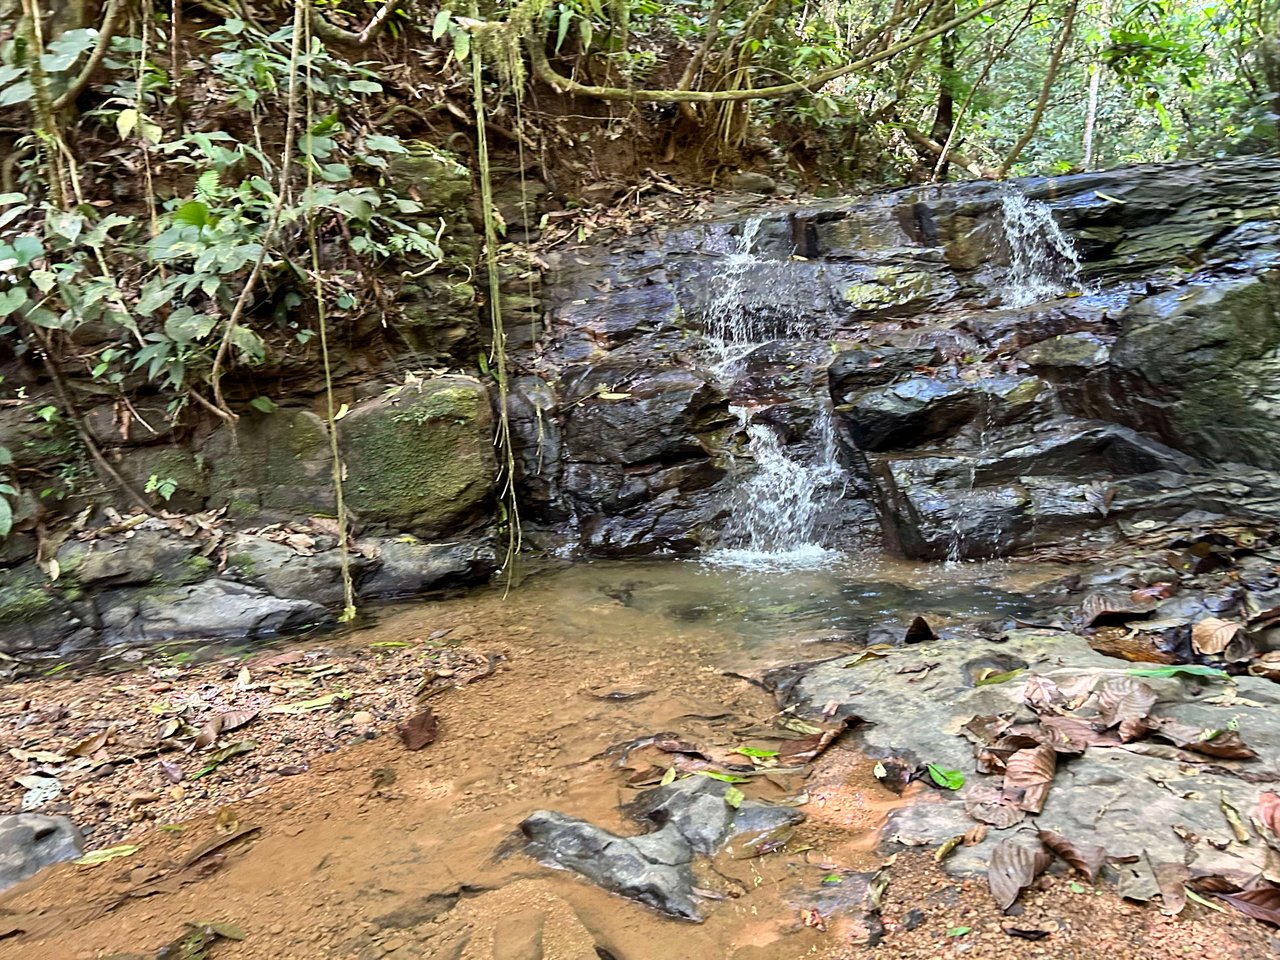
[[1043, 262], [750, 609]]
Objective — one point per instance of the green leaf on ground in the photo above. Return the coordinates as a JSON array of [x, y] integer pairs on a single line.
[[947, 779], [1186, 669], [218, 757], [95, 857]]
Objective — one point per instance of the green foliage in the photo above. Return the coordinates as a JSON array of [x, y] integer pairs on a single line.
[[166, 487], [167, 281], [8, 492]]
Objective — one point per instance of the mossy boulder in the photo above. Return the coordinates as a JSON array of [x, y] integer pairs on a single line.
[[272, 465], [147, 554], [421, 458]]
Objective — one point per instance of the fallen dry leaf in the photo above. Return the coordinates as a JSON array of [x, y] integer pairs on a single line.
[[1213, 634], [1124, 698], [419, 730], [1260, 903], [1085, 858], [1014, 865], [1028, 775]]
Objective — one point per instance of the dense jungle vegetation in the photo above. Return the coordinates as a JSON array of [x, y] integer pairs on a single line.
[[194, 191]]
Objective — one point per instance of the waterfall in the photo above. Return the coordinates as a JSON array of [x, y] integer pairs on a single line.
[[1043, 262], [753, 300], [778, 512]]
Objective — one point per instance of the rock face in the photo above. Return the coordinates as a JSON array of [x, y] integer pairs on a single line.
[[29, 842], [272, 466], [975, 419], [152, 584], [691, 817]]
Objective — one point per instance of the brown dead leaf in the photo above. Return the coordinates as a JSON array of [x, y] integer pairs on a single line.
[[1124, 698], [1085, 858], [1135, 728], [1041, 694], [1225, 744], [1268, 812], [1114, 607], [92, 743], [223, 723], [1028, 775], [1172, 879], [802, 751], [1014, 865], [1213, 634], [419, 730], [987, 804], [1261, 902], [1072, 735]]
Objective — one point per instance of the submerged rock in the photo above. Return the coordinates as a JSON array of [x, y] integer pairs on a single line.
[[29, 842], [656, 869]]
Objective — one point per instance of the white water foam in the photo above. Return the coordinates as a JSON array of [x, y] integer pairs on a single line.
[[778, 512], [1043, 262]]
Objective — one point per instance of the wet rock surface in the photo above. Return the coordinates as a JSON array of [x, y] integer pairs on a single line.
[[157, 581], [973, 425], [1142, 800], [695, 816]]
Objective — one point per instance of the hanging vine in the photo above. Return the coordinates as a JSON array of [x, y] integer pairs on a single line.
[[498, 347]]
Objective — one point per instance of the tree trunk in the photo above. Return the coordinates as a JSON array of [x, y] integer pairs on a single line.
[[1095, 86], [944, 117]]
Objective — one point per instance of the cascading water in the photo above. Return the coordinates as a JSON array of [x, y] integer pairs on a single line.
[[778, 511], [1043, 262]]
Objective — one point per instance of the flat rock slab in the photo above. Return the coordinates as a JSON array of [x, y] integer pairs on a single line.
[[913, 702], [656, 869]]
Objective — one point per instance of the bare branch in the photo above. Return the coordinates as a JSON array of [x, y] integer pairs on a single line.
[[544, 71]]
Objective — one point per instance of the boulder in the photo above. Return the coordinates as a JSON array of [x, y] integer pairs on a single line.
[[149, 553], [420, 457], [406, 569], [691, 818], [1199, 367], [209, 609], [1123, 799], [284, 572], [34, 615], [29, 842]]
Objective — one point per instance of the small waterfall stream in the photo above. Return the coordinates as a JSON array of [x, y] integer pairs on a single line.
[[1043, 262], [777, 511]]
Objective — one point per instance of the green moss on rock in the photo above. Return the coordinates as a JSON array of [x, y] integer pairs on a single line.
[[23, 598], [422, 458]]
